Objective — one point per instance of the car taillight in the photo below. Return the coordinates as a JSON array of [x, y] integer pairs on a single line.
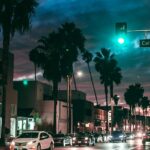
[[145, 137]]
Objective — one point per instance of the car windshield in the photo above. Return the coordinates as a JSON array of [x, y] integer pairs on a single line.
[[28, 135], [82, 134], [117, 133]]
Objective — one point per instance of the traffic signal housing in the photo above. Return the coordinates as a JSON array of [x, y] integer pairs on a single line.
[[121, 33]]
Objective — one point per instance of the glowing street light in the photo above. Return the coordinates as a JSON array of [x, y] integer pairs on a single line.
[[79, 73]]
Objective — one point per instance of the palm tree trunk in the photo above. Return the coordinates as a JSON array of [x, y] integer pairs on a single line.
[[74, 80], [106, 96], [112, 107], [92, 83], [5, 56], [130, 117], [35, 71], [69, 125], [55, 95]]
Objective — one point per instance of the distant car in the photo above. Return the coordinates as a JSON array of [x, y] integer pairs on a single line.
[[117, 136], [146, 138], [130, 136], [98, 137], [83, 138], [37, 140], [62, 139], [139, 134]]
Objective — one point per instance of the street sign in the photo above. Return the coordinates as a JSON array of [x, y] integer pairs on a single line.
[[145, 43]]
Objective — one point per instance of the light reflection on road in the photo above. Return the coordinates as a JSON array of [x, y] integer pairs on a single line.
[[129, 145]]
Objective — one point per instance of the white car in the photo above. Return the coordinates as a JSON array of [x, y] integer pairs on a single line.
[[33, 140]]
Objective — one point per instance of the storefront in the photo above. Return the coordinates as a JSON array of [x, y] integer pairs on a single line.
[[25, 123]]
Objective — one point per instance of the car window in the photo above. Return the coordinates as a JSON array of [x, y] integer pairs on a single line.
[[44, 136], [28, 135]]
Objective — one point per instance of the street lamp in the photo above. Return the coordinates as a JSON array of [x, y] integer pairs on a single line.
[[79, 73]]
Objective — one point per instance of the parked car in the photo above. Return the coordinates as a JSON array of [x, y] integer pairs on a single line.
[[62, 139], [130, 136], [117, 136], [146, 138], [37, 140], [83, 138]]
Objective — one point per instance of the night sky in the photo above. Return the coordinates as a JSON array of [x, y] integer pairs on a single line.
[[96, 19]]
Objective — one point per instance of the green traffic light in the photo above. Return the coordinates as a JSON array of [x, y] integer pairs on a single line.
[[121, 40], [25, 82]]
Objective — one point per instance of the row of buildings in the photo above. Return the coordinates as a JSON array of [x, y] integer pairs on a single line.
[[31, 106]]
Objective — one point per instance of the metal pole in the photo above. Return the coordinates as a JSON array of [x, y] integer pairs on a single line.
[[70, 122], [67, 104]]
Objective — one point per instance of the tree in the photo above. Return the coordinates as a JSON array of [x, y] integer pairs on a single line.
[[132, 96], [144, 103], [36, 57], [87, 57], [15, 15], [104, 61], [49, 52], [60, 51], [115, 76], [72, 44], [116, 99]]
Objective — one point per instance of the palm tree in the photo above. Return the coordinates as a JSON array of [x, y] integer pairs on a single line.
[[132, 96], [47, 56], [115, 76], [15, 15], [36, 57], [72, 44], [145, 103], [87, 57], [60, 51], [103, 63], [116, 99]]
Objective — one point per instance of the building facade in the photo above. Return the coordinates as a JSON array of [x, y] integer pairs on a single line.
[[11, 99]]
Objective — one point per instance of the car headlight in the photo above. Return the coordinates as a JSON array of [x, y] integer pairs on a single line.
[[121, 136], [74, 138], [139, 134], [12, 143], [31, 142], [86, 138]]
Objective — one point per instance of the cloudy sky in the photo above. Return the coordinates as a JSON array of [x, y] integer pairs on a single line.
[[96, 19]]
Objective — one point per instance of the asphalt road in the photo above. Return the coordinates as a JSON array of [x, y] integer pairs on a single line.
[[129, 145]]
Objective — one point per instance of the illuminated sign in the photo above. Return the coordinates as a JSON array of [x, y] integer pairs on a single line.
[[145, 43]]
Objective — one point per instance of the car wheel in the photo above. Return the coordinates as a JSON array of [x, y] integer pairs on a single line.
[[51, 147], [88, 144], [93, 143], [38, 147]]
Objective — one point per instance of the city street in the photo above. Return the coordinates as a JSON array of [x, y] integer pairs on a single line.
[[130, 145]]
